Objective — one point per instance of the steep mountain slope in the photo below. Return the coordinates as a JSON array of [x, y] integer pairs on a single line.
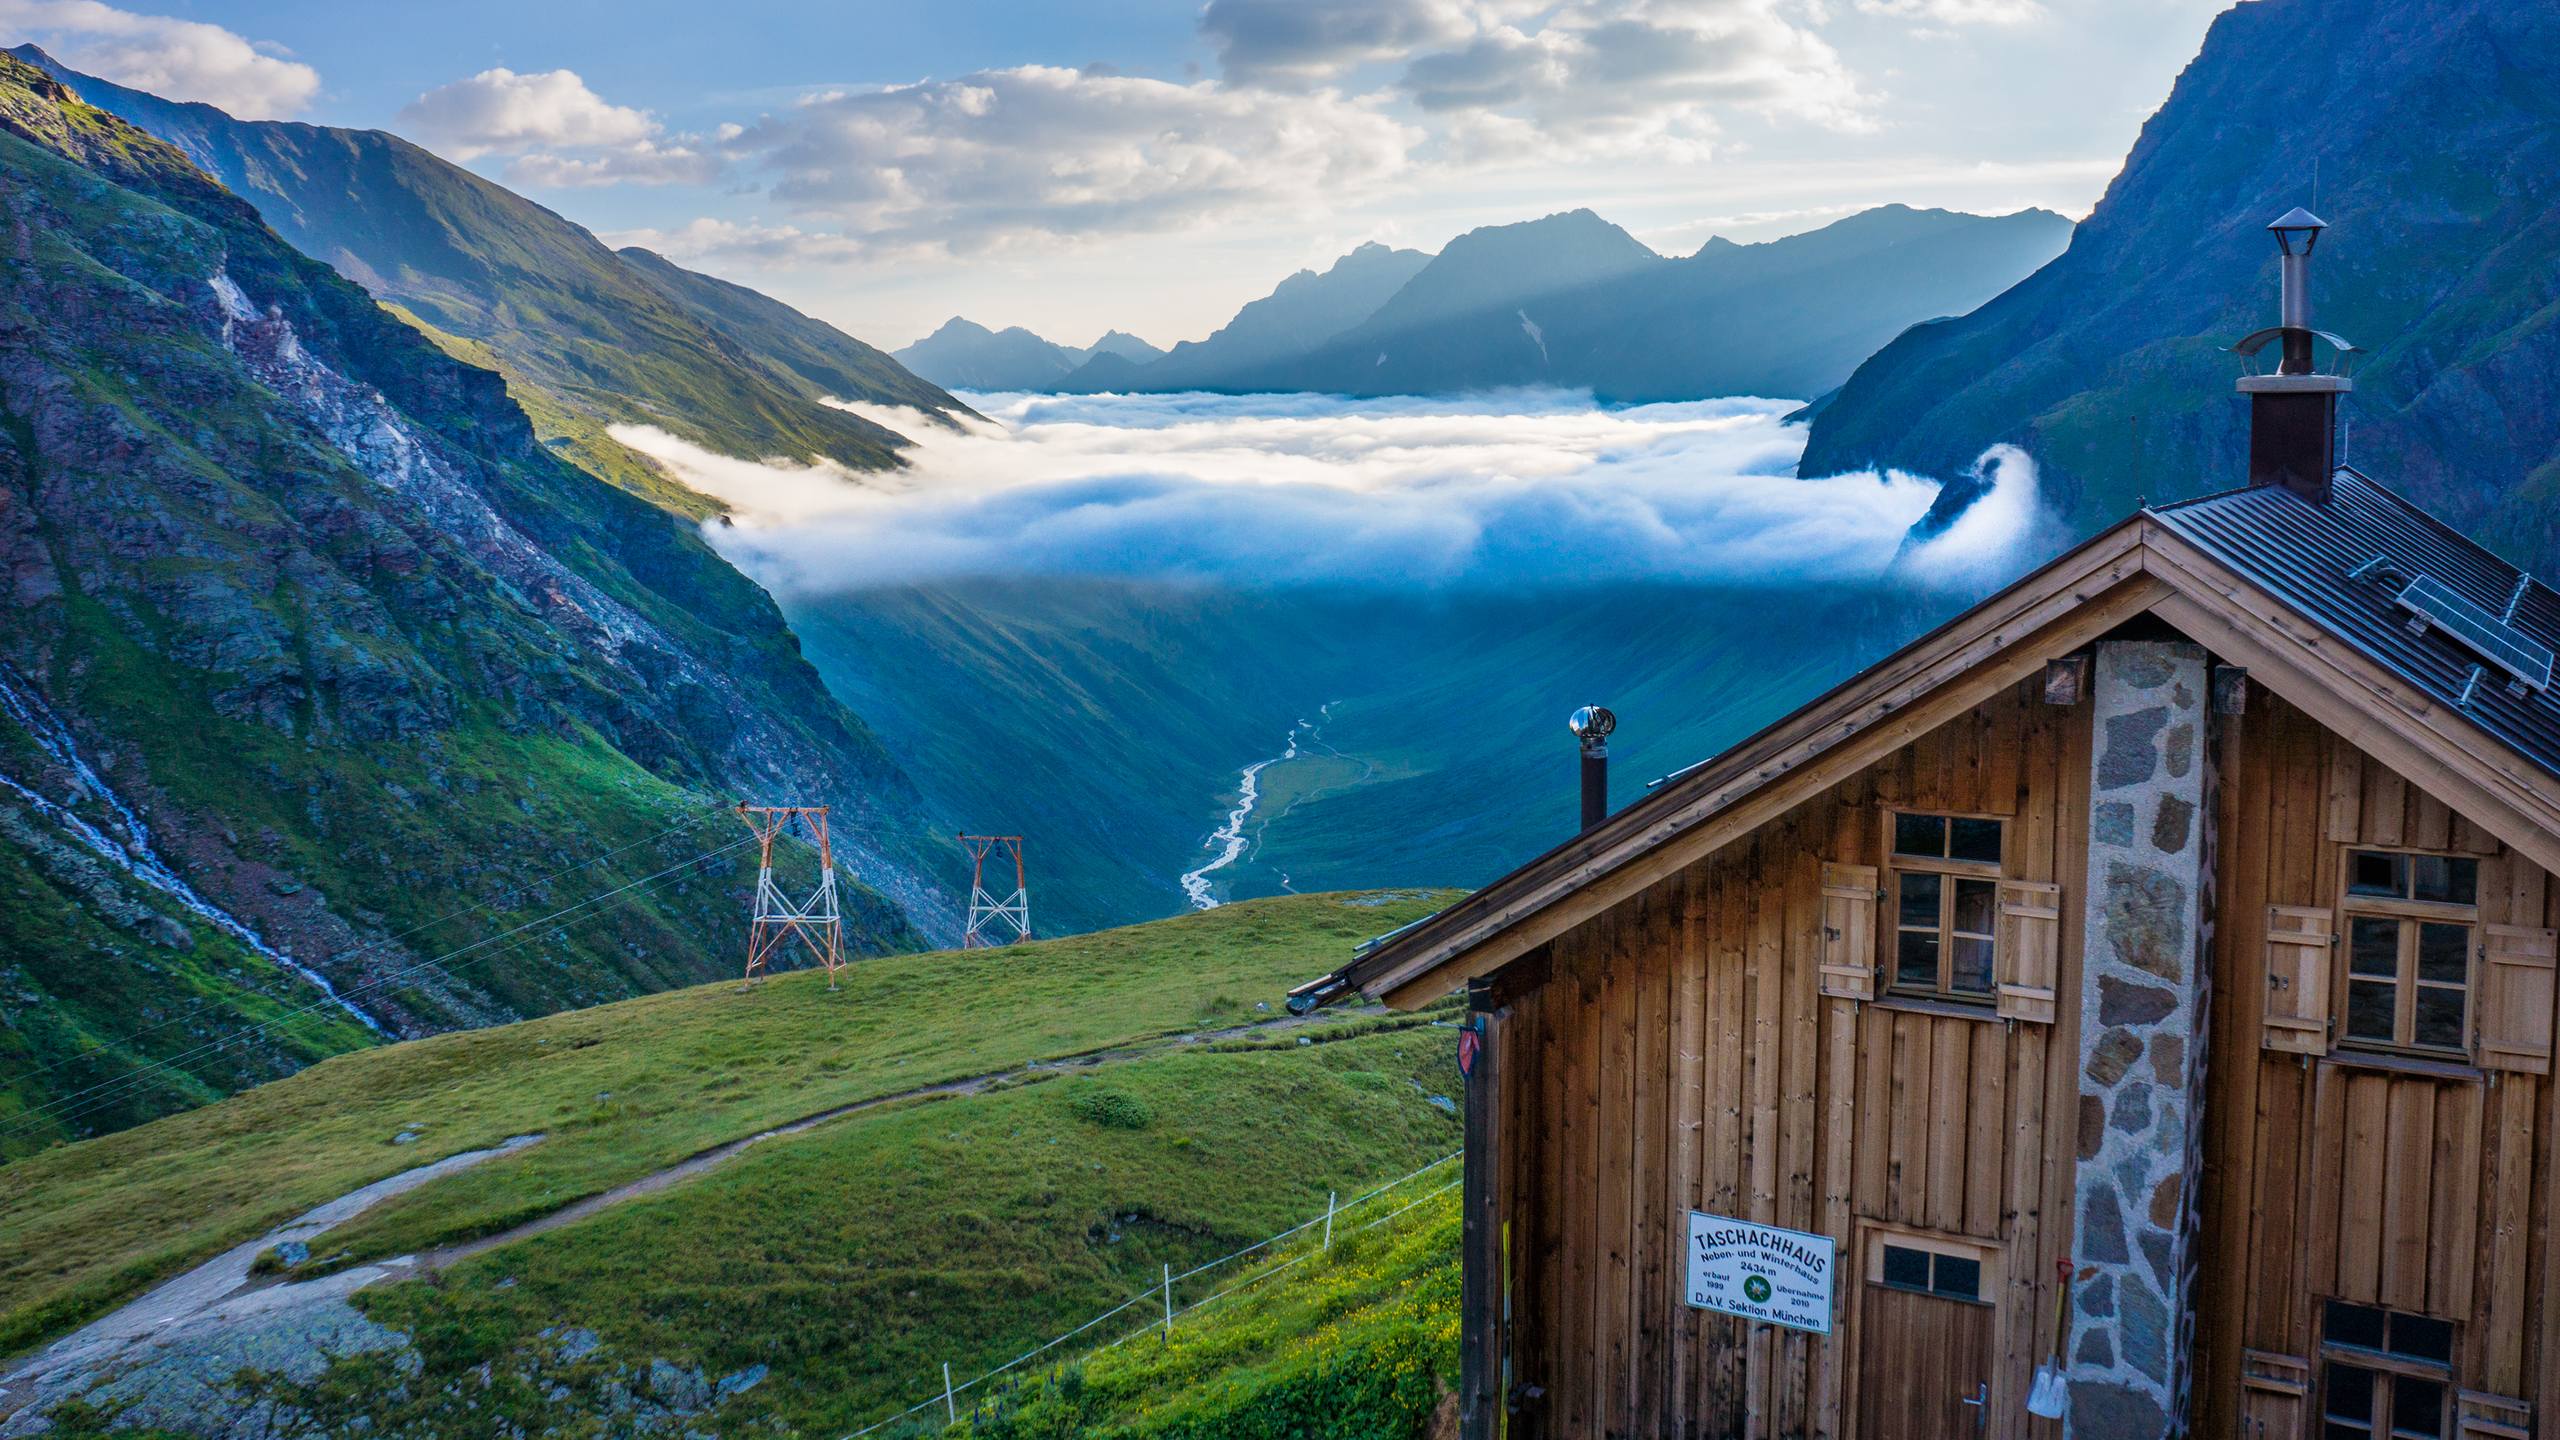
[[1108, 721], [1571, 300], [964, 355], [2435, 135], [1301, 313], [829, 363], [605, 340], [318, 662], [1508, 265], [1125, 345], [963, 1154]]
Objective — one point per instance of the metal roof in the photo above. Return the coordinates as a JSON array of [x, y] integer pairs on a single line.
[[2316, 558]]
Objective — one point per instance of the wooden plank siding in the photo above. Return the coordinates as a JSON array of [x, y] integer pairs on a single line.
[[1680, 1054], [2336, 1176]]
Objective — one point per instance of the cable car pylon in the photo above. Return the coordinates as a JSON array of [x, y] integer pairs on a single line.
[[994, 922], [818, 920]]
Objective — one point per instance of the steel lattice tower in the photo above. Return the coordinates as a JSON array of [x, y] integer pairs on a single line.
[[987, 912], [817, 920]]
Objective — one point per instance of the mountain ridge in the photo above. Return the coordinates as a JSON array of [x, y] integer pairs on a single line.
[[1572, 300], [606, 340], [311, 638], [2438, 147]]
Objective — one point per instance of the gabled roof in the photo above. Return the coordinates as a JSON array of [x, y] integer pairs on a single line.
[[2309, 556], [2260, 577]]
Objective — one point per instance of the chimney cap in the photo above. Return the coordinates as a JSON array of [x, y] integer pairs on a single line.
[[2297, 223]]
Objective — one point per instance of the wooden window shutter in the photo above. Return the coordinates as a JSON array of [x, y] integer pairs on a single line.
[[2483, 1416], [2515, 998], [2301, 952], [2029, 949], [2275, 1391], [1849, 905]]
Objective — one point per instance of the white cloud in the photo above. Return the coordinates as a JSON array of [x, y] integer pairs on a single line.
[[643, 162], [1535, 489], [1298, 44], [501, 112], [1958, 12], [561, 134], [1649, 77], [173, 58], [727, 242], [1001, 156]]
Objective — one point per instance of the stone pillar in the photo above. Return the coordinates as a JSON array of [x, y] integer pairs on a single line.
[[2143, 981]]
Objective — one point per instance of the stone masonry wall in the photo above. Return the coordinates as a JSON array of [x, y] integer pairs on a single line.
[[2142, 997]]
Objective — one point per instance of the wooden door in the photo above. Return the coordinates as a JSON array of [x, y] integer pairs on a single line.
[[1924, 1351]]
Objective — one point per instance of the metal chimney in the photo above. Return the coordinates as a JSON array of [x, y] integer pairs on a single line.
[[2293, 413], [1592, 724], [2296, 232]]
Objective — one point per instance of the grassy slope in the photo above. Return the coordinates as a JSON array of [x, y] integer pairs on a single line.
[[621, 1090], [1357, 1344], [826, 362], [474, 259], [323, 829], [855, 1260]]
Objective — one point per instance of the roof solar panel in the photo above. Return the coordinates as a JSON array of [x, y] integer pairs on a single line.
[[2487, 636]]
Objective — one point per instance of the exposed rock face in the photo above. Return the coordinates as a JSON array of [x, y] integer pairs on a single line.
[[320, 628], [2437, 145]]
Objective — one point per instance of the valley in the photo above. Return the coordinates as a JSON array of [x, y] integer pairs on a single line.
[[432, 508]]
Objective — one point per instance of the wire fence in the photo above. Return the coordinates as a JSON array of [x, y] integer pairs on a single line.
[[1160, 1296]]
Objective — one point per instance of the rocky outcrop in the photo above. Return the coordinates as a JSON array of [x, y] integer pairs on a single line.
[[312, 609]]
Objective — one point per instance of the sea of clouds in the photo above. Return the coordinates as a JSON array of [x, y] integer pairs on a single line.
[[1520, 490]]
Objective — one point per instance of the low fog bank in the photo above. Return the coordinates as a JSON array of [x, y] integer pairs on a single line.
[[1522, 490]]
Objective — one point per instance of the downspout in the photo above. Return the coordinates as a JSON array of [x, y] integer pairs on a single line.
[[1482, 1283]]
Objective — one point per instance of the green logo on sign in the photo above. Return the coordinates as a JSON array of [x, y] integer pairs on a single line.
[[1757, 1289]]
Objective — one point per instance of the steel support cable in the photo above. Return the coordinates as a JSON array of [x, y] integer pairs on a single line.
[[86, 1100], [107, 1092], [115, 1088], [1152, 1291], [208, 1002]]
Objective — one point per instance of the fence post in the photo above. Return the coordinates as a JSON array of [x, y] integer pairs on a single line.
[[1168, 1302], [950, 1407], [1329, 1197]]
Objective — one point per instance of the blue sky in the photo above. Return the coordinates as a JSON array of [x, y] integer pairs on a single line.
[[1152, 164]]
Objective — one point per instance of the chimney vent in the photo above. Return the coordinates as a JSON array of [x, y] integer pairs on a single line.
[[2293, 413], [1592, 724]]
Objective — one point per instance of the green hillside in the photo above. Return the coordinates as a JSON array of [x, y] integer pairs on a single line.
[[302, 615], [1035, 1196], [1107, 721], [1358, 1342], [609, 340]]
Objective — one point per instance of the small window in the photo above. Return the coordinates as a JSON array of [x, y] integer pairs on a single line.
[[2409, 943], [2384, 1374], [2428, 879], [1932, 1272], [1946, 906], [1947, 837]]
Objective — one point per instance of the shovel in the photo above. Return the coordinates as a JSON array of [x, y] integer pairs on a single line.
[[2050, 1393]]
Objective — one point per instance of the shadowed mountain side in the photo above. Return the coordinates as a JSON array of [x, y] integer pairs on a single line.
[[2436, 139]]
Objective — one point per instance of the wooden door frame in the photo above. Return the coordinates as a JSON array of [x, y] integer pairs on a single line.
[[1870, 1235]]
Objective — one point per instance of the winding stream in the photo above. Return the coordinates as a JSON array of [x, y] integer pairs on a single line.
[[1227, 843], [129, 848]]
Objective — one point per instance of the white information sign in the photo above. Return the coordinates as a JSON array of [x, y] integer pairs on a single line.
[[1761, 1272]]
